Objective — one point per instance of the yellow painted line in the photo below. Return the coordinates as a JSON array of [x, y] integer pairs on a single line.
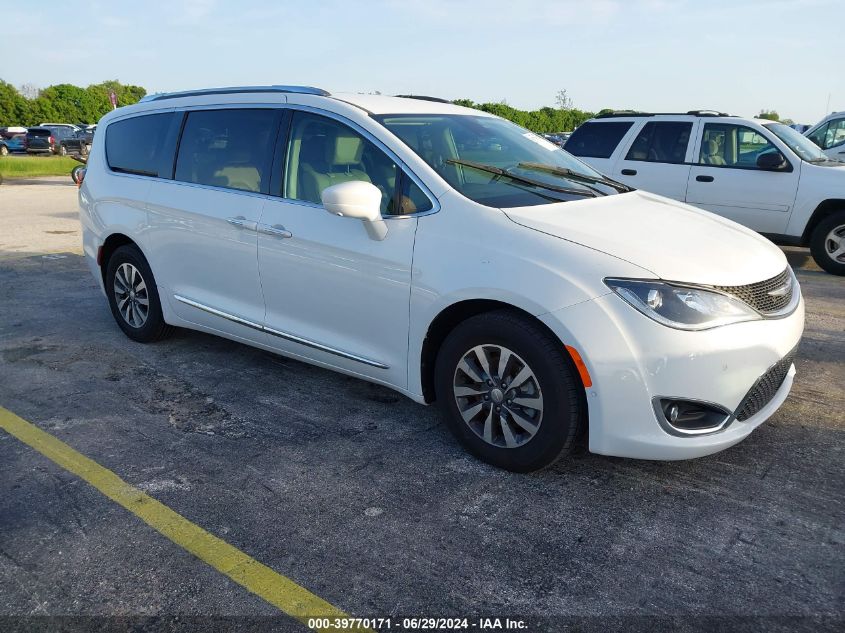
[[279, 591]]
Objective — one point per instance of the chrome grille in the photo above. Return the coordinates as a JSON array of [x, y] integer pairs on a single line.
[[760, 295], [765, 388]]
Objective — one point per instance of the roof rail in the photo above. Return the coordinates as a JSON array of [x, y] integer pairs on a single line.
[[636, 113], [423, 98], [308, 90]]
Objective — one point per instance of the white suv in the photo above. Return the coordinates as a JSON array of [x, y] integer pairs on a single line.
[[759, 173], [447, 254]]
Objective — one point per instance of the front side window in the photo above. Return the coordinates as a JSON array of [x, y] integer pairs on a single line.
[[323, 152], [494, 162], [136, 145], [597, 140], [228, 148], [730, 145], [661, 142]]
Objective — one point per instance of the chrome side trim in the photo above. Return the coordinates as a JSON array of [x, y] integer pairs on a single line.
[[284, 335], [324, 348]]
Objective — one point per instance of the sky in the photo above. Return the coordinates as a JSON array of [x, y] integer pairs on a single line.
[[739, 57]]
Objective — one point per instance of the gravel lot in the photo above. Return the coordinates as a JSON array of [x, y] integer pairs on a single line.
[[363, 497]]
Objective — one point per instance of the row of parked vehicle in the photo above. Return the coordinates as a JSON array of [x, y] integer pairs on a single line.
[[48, 138]]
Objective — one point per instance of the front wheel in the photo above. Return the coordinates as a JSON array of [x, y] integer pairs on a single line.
[[827, 243], [508, 391], [133, 296]]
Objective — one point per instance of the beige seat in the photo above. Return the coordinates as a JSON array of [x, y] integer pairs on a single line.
[[710, 153], [341, 163]]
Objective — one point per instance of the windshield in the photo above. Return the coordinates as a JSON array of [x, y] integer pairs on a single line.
[[477, 155], [798, 143]]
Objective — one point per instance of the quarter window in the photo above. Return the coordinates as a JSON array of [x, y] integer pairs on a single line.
[[323, 152], [728, 145], [661, 142], [597, 140], [137, 145], [228, 148], [830, 134]]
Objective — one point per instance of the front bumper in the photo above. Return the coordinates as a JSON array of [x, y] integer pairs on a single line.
[[633, 359]]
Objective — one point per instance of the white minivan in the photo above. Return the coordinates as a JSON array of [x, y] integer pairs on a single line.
[[447, 254], [760, 173]]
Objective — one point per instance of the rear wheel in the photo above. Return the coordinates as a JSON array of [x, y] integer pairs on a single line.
[[4, 151], [827, 243], [62, 150], [133, 296], [508, 391]]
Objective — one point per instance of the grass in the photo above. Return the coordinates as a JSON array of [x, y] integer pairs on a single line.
[[34, 166]]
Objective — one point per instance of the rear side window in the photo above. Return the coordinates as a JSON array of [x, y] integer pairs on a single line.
[[228, 148], [136, 145], [661, 142], [40, 131], [597, 140]]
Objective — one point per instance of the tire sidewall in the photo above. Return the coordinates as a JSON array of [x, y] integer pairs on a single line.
[[561, 410], [817, 244], [152, 327]]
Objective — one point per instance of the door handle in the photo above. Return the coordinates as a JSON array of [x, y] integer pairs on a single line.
[[629, 172], [242, 223], [704, 178], [277, 230]]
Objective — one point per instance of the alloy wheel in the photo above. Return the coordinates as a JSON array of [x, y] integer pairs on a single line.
[[834, 244], [498, 396], [130, 293]]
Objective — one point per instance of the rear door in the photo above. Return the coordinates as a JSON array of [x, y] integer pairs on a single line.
[[725, 178], [203, 222], [657, 159]]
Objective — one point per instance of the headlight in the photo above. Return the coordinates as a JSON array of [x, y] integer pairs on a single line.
[[682, 307]]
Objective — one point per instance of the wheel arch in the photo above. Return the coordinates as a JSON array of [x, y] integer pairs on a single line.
[[452, 316], [110, 245], [824, 209]]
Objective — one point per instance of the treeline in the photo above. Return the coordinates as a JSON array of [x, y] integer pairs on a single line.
[[542, 121], [63, 103], [67, 103]]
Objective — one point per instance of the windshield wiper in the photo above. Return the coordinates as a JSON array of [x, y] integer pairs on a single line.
[[568, 173], [490, 169]]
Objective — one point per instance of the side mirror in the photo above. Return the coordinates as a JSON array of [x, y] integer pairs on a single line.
[[357, 199], [771, 161]]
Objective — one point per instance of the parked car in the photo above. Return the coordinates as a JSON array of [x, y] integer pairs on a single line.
[[762, 174], [56, 139], [524, 292], [829, 135], [16, 143], [40, 140]]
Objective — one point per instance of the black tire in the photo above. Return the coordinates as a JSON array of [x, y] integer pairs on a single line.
[[4, 151], [153, 327], [564, 407], [74, 173], [62, 150], [819, 241]]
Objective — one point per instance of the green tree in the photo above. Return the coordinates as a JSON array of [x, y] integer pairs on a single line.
[[14, 109], [771, 115]]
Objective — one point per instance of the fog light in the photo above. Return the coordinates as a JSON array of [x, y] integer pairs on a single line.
[[690, 417]]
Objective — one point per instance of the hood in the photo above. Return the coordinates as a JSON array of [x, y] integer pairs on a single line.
[[674, 241]]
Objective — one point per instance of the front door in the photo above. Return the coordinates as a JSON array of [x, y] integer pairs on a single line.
[[334, 294], [725, 178]]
